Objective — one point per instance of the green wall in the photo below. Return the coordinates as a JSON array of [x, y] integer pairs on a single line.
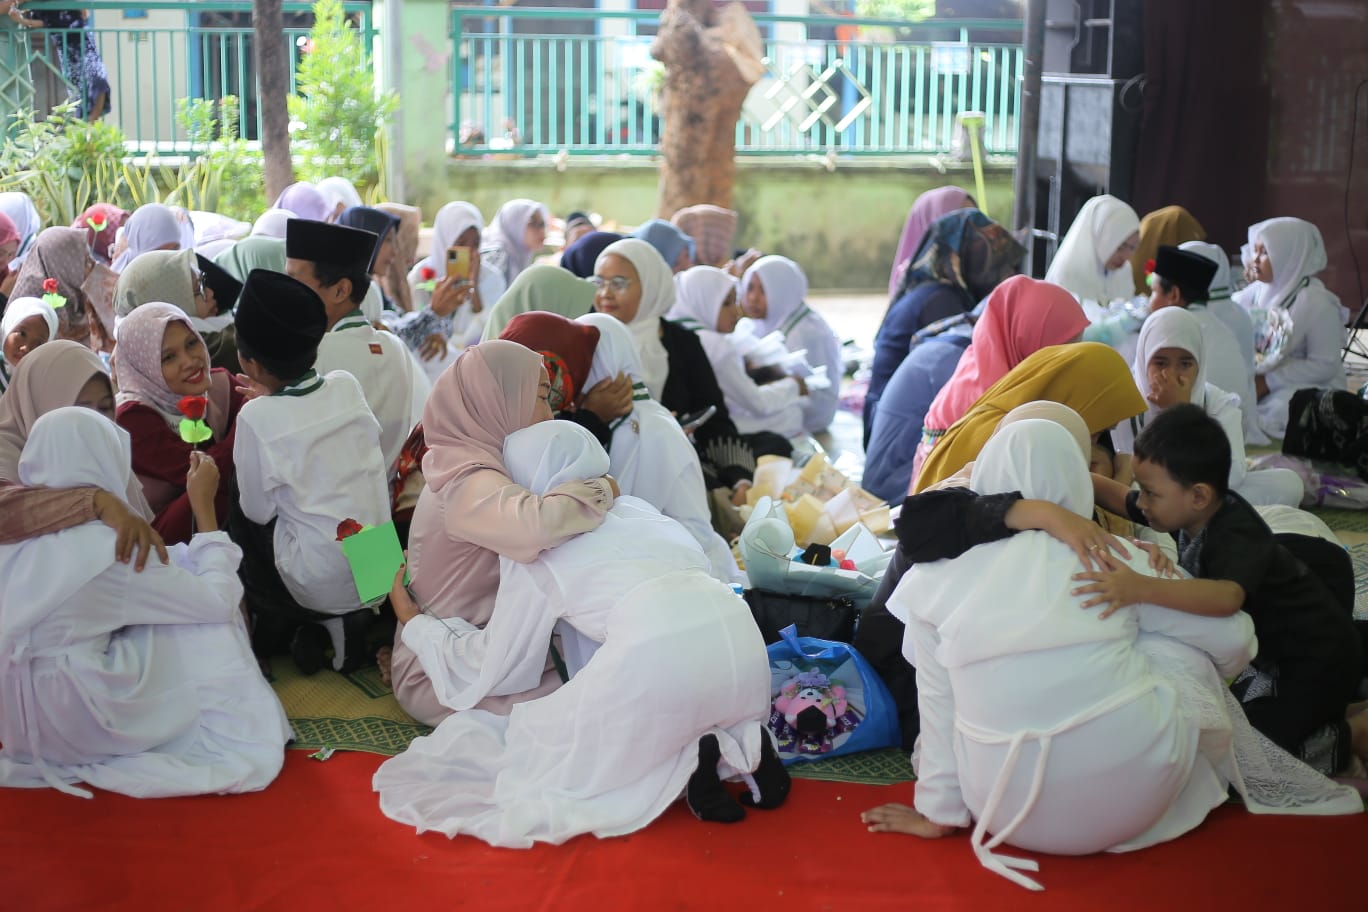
[[841, 225]]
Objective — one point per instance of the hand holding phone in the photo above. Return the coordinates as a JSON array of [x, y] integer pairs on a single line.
[[458, 263]]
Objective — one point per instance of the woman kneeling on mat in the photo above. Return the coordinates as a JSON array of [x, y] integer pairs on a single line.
[[668, 691], [1057, 731]]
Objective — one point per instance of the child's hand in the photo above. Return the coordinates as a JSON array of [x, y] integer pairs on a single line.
[[1115, 585], [1159, 561], [248, 388], [202, 481], [400, 600], [1172, 389]]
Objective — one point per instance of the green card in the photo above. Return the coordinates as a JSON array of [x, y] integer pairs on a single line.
[[375, 556]]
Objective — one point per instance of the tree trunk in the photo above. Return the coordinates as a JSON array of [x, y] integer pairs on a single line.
[[273, 86], [701, 100]]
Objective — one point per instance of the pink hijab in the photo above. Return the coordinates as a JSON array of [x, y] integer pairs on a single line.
[[930, 206], [138, 357], [1022, 316], [50, 377], [489, 393]]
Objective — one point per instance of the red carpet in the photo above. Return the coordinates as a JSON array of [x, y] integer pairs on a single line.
[[317, 840]]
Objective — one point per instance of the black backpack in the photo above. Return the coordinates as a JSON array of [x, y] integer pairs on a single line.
[[1331, 425]]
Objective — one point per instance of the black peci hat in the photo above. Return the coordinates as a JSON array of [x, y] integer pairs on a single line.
[[1191, 272], [279, 317], [337, 245]]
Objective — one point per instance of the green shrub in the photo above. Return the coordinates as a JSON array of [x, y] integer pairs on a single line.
[[337, 114]]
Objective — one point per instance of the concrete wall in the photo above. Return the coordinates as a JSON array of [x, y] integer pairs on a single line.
[[842, 225]]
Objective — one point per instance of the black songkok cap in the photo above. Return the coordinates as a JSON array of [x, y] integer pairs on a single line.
[[1191, 272], [337, 245], [221, 282], [279, 317]]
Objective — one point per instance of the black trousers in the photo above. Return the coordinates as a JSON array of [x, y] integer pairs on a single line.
[[879, 638]]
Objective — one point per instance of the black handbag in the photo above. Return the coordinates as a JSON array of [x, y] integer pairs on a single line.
[[823, 618]]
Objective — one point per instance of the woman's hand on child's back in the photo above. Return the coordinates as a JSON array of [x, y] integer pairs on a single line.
[[610, 399], [133, 534]]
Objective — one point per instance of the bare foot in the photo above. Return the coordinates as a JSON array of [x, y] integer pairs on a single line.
[[382, 659], [899, 818]]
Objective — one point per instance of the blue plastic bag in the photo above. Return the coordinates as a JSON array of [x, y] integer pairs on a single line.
[[826, 700]]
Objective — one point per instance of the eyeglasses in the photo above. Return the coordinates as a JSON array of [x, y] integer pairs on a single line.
[[198, 281], [617, 284]]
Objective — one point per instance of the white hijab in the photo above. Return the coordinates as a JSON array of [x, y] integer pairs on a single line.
[[1080, 264], [20, 309], [785, 288], [507, 230], [1014, 595], [699, 293], [1296, 252], [657, 298], [68, 447], [271, 223], [149, 228], [339, 190], [1171, 327], [546, 455], [1219, 289], [19, 207], [452, 221], [651, 456]]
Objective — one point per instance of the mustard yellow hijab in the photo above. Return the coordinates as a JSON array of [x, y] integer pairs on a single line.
[[1088, 377], [1170, 226]]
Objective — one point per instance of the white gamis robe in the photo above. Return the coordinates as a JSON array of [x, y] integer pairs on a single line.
[[309, 457], [137, 683], [754, 407], [1016, 682], [381, 363], [801, 328], [650, 455], [611, 749]]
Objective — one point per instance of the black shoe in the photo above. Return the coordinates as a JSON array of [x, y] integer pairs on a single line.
[[356, 629], [705, 795], [771, 779], [310, 648]]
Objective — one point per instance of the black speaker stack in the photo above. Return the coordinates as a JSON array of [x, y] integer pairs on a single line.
[[1093, 65]]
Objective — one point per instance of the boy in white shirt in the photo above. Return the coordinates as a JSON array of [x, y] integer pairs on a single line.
[[334, 261], [310, 460]]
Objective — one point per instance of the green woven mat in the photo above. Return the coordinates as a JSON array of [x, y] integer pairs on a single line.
[[346, 712], [357, 712], [881, 767]]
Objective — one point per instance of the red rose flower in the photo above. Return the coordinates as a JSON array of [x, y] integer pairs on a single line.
[[50, 286], [193, 407], [1149, 266], [427, 274], [347, 528]]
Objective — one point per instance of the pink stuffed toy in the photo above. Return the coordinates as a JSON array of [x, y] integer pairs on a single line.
[[811, 703]]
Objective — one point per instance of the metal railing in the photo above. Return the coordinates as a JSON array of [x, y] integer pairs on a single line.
[[161, 53], [851, 86]]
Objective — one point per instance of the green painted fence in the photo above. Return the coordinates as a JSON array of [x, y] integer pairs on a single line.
[[539, 81], [162, 52]]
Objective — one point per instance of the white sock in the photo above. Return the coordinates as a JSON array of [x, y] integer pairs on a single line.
[[339, 641]]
